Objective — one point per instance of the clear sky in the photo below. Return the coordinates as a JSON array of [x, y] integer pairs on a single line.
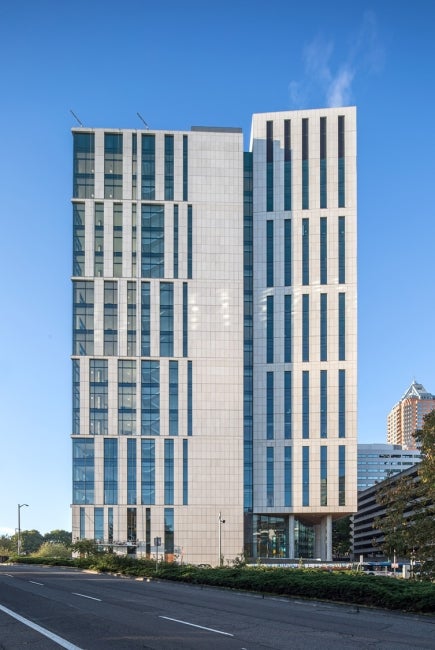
[[188, 63]]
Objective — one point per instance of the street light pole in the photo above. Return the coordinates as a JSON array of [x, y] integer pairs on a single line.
[[19, 527], [220, 522]]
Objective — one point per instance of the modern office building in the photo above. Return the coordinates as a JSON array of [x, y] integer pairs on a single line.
[[407, 415], [214, 337], [376, 462]]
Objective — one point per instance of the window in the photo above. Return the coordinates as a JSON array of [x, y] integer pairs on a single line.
[[110, 318], [287, 329], [341, 168], [305, 327], [83, 471], [148, 167], [99, 525], [145, 319], [341, 403], [305, 404], [288, 478], [133, 240], [126, 397], [189, 241], [76, 397], [305, 252], [305, 476], [150, 406], [134, 166], [323, 404], [305, 165], [323, 172], [323, 250], [173, 398], [84, 165], [82, 523], [185, 319], [117, 240], [175, 261], [341, 326], [169, 532], [169, 167], [341, 475], [113, 165], [269, 406], [166, 319], [131, 319], [98, 397], [148, 472], [189, 399], [131, 525], [269, 166], [287, 166], [269, 329], [169, 472], [83, 308], [323, 475], [270, 488], [131, 471], [99, 239], [287, 252], [288, 404], [341, 250], [110, 471], [78, 239], [185, 167], [153, 243], [185, 472], [323, 327], [269, 253]]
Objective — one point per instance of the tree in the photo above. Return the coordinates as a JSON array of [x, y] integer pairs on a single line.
[[409, 521], [59, 537], [53, 549], [31, 540], [85, 547], [6, 543]]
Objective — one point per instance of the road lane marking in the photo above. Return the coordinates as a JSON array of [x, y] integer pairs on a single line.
[[36, 583], [201, 627], [54, 637], [84, 596]]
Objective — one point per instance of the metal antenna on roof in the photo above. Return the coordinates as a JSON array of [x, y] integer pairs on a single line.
[[141, 118], [74, 115]]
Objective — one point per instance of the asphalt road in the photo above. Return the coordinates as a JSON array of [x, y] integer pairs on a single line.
[[47, 608]]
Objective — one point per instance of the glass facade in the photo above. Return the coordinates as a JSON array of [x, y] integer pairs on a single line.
[[323, 327], [148, 472], [288, 404], [113, 165], [323, 170], [111, 471], [185, 472], [305, 252], [169, 472], [185, 168], [305, 404], [269, 406], [341, 250], [341, 326], [99, 240], [169, 533], [341, 475], [341, 403], [83, 165], [287, 252], [269, 329], [145, 314], [83, 471], [341, 167], [173, 398], [185, 320], [189, 241], [131, 319], [148, 192], [169, 167], [131, 471], [176, 242], [288, 477], [98, 397], [305, 476], [305, 327], [166, 319], [117, 240], [269, 253], [287, 166], [288, 340], [323, 403], [110, 318], [270, 478], [127, 397], [78, 239], [323, 475], [269, 166], [83, 318], [150, 402], [76, 397], [305, 166], [99, 525], [323, 250], [189, 399], [153, 241]]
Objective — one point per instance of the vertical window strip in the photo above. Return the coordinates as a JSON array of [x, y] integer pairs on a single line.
[[305, 252], [341, 475], [189, 399], [169, 534], [288, 404], [166, 319], [134, 166], [269, 329], [287, 329], [341, 326], [323, 172], [148, 191], [82, 515], [323, 327], [341, 250], [305, 404], [113, 165], [110, 525], [323, 404], [153, 241], [99, 525], [288, 477], [110, 318], [150, 402], [148, 532], [148, 472], [287, 166], [185, 472], [341, 168], [323, 250], [133, 240], [175, 261], [131, 525], [269, 253], [126, 397], [189, 242], [305, 165], [131, 472], [83, 317], [131, 319], [287, 252], [98, 397], [145, 319], [305, 327], [305, 476], [269, 406], [341, 403], [169, 167], [84, 165], [269, 166], [270, 489], [185, 320], [185, 168], [111, 471], [323, 475], [99, 240], [173, 398], [83, 471], [78, 239], [117, 240], [76, 397], [169, 472]]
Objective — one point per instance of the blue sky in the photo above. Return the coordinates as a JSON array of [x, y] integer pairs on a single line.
[[185, 63]]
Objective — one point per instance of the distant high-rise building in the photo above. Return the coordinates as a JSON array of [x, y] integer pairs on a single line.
[[407, 416], [376, 462], [214, 338]]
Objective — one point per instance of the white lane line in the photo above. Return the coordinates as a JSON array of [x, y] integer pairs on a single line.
[[201, 627], [54, 637], [84, 596], [36, 583]]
